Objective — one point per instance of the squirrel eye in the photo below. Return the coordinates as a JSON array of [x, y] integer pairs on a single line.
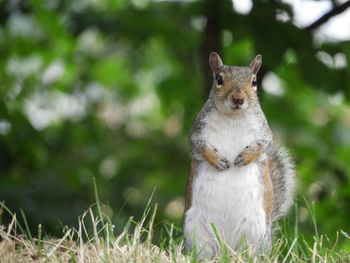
[[219, 80], [254, 82]]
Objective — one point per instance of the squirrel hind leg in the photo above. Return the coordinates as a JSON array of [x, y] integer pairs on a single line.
[[283, 180], [199, 238]]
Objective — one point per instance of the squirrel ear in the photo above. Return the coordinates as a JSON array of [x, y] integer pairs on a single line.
[[256, 64], [215, 62]]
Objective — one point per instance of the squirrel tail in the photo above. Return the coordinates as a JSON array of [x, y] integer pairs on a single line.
[[283, 180]]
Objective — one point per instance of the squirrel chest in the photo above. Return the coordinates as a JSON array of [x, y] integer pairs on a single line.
[[230, 135]]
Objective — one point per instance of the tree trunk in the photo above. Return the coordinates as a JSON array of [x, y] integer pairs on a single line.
[[211, 40]]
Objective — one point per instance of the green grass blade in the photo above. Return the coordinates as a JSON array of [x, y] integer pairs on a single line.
[[38, 249], [28, 233], [2, 204], [97, 199]]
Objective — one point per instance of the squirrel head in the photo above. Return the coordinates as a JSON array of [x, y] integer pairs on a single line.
[[234, 88]]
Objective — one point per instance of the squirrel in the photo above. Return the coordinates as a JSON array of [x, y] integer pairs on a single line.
[[240, 181]]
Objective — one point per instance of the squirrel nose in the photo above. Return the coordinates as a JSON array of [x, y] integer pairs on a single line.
[[237, 101]]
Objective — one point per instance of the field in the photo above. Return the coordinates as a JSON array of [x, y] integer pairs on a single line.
[[95, 241]]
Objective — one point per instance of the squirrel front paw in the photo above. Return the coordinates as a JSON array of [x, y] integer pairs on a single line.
[[222, 164], [214, 159], [246, 157]]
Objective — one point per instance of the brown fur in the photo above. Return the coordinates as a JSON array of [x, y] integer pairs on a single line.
[[268, 190], [283, 179], [251, 153], [211, 156], [251, 92], [250, 156], [239, 90], [188, 195]]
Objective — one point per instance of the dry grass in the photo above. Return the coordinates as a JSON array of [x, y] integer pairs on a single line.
[[78, 245], [95, 241], [101, 245]]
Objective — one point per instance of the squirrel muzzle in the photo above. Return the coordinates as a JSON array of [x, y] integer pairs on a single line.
[[238, 100]]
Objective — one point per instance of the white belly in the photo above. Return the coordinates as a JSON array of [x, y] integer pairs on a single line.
[[232, 200]]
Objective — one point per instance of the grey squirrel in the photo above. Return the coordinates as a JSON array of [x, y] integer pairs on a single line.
[[240, 182]]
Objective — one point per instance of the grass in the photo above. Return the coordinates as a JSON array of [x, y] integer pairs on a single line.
[[95, 241], [134, 244]]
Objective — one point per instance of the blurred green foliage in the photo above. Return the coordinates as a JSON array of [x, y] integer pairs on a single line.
[[109, 89]]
